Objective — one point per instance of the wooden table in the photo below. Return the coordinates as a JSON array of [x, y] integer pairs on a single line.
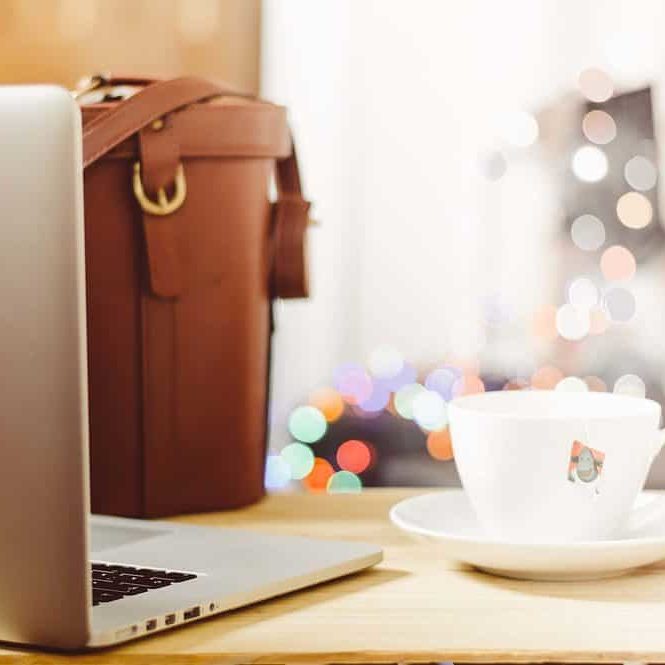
[[415, 607]]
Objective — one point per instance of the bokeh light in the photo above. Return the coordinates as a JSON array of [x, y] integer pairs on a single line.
[[583, 292], [429, 410], [599, 127], [353, 383], [329, 402], [354, 456], [278, 473], [307, 423], [640, 173], [572, 384], [599, 322], [546, 377], [595, 384], [469, 384], [595, 84], [378, 399], [519, 129], [573, 322], [589, 163], [385, 362], [317, 481], [634, 210], [588, 233], [404, 399], [406, 376], [516, 384], [630, 384], [299, 458], [344, 482], [439, 445], [620, 304], [544, 323], [442, 380], [618, 264]]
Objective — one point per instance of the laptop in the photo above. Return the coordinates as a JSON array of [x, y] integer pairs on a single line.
[[69, 580]]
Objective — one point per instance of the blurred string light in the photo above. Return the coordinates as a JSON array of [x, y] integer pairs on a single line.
[[355, 456], [329, 402], [640, 173], [519, 129], [317, 480], [634, 210], [307, 423], [595, 85], [572, 384], [573, 322], [442, 380], [299, 458], [583, 292], [429, 410], [620, 304], [618, 264], [439, 445], [516, 384], [353, 383], [385, 362], [546, 377], [599, 127], [377, 400], [595, 384], [589, 163], [344, 482], [278, 473], [588, 233], [468, 384], [404, 399], [630, 384]]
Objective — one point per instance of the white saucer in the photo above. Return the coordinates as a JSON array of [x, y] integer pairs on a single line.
[[447, 519]]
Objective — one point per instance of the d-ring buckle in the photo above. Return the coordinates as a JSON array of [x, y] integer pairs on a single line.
[[162, 206]]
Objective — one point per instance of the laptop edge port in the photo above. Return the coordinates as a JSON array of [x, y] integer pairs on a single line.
[[151, 624], [169, 620], [192, 613]]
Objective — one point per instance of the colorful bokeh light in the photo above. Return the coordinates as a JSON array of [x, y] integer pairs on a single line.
[[299, 458], [468, 384], [429, 410], [640, 173], [589, 163], [634, 210], [278, 473], [620, 304], [572, 384], [354, 456], [344, 482], [595, 84], [404, 399], [439, 445], [307, 423], [353, 383], [546, 377], [573, 322], [317, 480], [385, 362], [631, 385], [599, 127], [618, 264], [588, 233], [329, 402], [442, 381]]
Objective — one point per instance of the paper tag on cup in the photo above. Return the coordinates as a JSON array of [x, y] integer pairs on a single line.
[[586, 465]]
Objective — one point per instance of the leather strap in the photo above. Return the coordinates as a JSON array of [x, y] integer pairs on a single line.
[[160, 98]]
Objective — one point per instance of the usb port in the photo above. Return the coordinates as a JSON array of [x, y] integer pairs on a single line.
[[169, 620], [151, 624], [191, 613]]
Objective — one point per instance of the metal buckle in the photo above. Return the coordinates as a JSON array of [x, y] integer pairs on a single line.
[[162, 206]]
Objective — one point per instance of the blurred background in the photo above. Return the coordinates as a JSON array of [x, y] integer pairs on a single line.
[[486, 180]]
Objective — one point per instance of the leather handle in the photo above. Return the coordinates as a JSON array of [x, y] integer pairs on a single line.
[[131, 115]]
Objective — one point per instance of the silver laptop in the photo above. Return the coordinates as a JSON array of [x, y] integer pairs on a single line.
[[68, 580]]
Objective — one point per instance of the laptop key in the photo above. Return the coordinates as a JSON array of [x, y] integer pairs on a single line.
[[105, 596], [177, 577]]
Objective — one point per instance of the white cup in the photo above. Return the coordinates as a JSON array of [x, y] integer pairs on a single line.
[[547, 466]]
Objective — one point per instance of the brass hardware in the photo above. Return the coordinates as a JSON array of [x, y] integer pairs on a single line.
[[88, 84], [157, 125], [162, 206]]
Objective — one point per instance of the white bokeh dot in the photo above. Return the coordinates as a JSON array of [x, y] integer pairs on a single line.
[[630, 384]]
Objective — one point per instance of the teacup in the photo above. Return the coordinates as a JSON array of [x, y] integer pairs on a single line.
[[554, 467]]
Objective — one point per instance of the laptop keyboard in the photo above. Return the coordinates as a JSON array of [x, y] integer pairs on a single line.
[[112, 581]]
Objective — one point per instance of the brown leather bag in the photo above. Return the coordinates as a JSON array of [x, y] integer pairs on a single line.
[[184, 252]]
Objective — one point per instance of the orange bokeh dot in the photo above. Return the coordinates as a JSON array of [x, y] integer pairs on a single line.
[[469, 384], [546, 378], [516, 384], [544, 322], [596, 384], [439, 445], [329, 402], [599, 322], [354, 456], [317, 480], [617, 263]]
